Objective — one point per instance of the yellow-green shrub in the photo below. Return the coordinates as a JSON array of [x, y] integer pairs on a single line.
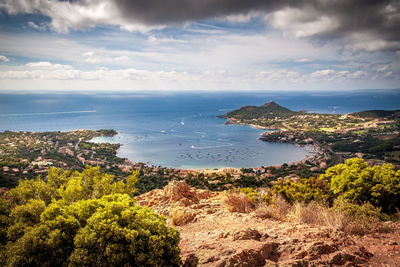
[[303, 190], [358, 182], [251, 193], [90, 220]]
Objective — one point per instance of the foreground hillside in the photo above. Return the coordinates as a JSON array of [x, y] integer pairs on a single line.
[[347, 216], [211, 235]]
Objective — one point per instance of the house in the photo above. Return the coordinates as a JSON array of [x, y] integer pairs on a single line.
[[259, 170]]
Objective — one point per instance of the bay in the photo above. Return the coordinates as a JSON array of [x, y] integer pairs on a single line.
[[180, 130]]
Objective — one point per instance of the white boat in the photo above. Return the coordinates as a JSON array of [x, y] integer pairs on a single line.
[[163, 132]]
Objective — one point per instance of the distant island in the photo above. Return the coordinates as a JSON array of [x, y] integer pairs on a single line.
[[372, 135], [269, 110]]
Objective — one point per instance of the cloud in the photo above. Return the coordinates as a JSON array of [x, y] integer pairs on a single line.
[[35, 26], [337, 76], [4, 59], [44, 75], [303, 22], [50, 71], [375, 21], [303, 60], [45, 65]]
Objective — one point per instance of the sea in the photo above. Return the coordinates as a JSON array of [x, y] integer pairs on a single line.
[[180, 130]]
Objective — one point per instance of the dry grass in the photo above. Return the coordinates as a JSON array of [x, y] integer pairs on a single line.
[[308, 214], [367, 226], [319, 214], [334, 219], [238, 202], [277, 210], [181, 216], [315, 213]]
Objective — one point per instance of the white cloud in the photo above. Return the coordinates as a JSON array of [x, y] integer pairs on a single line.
[[337, 76], [77, 15], [88, 54], [45, 65], [4, 59], [35, 26], [36, 72], [169, 40], [370, 45], [191, 53], [303, 60], [302, 22], [388, 74], [383, 68]]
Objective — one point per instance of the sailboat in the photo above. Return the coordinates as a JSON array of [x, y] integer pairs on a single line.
[[182, 122]]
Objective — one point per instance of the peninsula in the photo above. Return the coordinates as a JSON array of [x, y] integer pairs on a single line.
[[372, 135]]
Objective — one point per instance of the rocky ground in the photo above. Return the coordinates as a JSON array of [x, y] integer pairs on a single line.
[[213, 236]]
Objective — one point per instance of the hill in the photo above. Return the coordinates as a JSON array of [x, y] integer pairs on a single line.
[[211, 235], [268, 110], [377, 114]]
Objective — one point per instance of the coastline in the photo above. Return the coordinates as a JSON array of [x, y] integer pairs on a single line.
[[210, 169], [316, 147]]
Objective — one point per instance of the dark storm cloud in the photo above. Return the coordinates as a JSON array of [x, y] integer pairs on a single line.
[[378, 16], [370, 20], [179, 11]]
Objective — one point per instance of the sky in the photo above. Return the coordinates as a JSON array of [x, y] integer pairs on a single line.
[[199, 45]]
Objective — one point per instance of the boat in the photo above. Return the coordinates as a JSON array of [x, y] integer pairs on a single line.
[[163, 132]]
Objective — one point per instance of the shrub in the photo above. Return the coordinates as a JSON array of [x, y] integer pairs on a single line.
[[358, 182], [303, 190], [305, 213], [276, 208], [345, 216], [89, 220], [181, 216], [320, 214], [237, 202], [360, 211], [251, 193], [365, 218]]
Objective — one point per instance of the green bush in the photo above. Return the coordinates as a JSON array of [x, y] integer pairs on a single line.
[[303, 190], [83, 219], [363, 211], [358, 182], [251, 193], [364, 218]]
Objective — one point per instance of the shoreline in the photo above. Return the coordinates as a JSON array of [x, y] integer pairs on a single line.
[[314, 150]]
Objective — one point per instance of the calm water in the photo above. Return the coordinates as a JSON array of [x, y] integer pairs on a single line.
[[194, 137]]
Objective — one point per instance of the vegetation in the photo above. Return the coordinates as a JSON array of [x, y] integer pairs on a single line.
[[353, 197], [378, 114], [374, 133], [268, 110], [82, 219], [238, 202], [358, 182], [303, 190]]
